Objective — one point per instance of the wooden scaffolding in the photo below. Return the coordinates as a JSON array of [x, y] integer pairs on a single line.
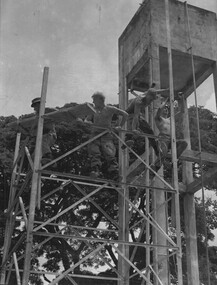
[[143, 58]]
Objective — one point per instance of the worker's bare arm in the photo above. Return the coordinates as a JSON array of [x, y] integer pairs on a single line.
[[163, 92], [134, 93], [121, 113], [159, 111]]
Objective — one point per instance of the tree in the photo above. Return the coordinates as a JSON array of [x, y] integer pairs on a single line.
[[58, 253]]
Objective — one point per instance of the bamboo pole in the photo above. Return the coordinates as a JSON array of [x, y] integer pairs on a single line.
[[75, 179], [69, 208], [17, 269], [189, 208], [132, 265], [98, 207], [65, 273], [75, 149], [23, 211], [153, 223], [173, 144], [29, 157], [147, 182], [101, 240], [71, 280], [148, 167], [9, 222], [34, 189]]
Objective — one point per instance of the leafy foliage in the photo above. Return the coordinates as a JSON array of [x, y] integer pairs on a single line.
[[58, 253]]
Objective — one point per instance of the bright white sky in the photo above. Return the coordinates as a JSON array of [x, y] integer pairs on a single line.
[[77, 39]]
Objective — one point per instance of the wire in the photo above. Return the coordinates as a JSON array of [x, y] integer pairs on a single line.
[[200, 148]]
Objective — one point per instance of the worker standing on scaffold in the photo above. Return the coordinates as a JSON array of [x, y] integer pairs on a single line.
[[163, 124], [49, 133], [137, 109], [104, 146]]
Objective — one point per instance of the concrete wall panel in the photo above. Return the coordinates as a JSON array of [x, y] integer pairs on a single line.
[[203, 26], [136, 37]]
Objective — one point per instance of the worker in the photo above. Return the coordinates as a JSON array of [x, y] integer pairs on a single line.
[[49, 133], [138, 104], [163, 124], [104, 146], [137, 109]]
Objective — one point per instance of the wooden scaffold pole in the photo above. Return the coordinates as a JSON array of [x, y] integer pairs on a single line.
[[35, 180], [173, 147], [123, 215], [10, 218]]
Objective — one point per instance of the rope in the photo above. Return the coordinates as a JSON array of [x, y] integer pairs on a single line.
[[199, 145]]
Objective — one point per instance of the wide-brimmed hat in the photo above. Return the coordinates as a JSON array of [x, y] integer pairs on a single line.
[[35, 101]]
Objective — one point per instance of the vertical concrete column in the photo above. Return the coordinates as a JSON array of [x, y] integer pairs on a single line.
[[159, 196], [189, 209], [215, 81]]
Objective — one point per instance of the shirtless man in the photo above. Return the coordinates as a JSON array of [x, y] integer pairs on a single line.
[[104, 146], [137, 109], [163, 124]]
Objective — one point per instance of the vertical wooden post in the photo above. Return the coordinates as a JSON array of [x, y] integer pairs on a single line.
[[159, 196], [173, 144], [34, 189], [123, 267], [189, 208], [16, 269], [147, 181], [9, 222]]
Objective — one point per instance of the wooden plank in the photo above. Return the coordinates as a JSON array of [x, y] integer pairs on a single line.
[[196, 185], [79, 111], [194, 156], [66, 114]]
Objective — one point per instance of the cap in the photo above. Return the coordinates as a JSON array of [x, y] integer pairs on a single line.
[[35, 101], [98, 94]]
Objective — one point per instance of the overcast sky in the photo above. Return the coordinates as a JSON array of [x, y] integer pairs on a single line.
[[77, 39]]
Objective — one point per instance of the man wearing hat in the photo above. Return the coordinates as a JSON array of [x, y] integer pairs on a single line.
[[49, 132], [104, 146]]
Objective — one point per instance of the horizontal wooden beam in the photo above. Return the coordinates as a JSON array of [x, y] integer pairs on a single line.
[[65, 114], [101, 240], [194, 156], [197, 184]]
